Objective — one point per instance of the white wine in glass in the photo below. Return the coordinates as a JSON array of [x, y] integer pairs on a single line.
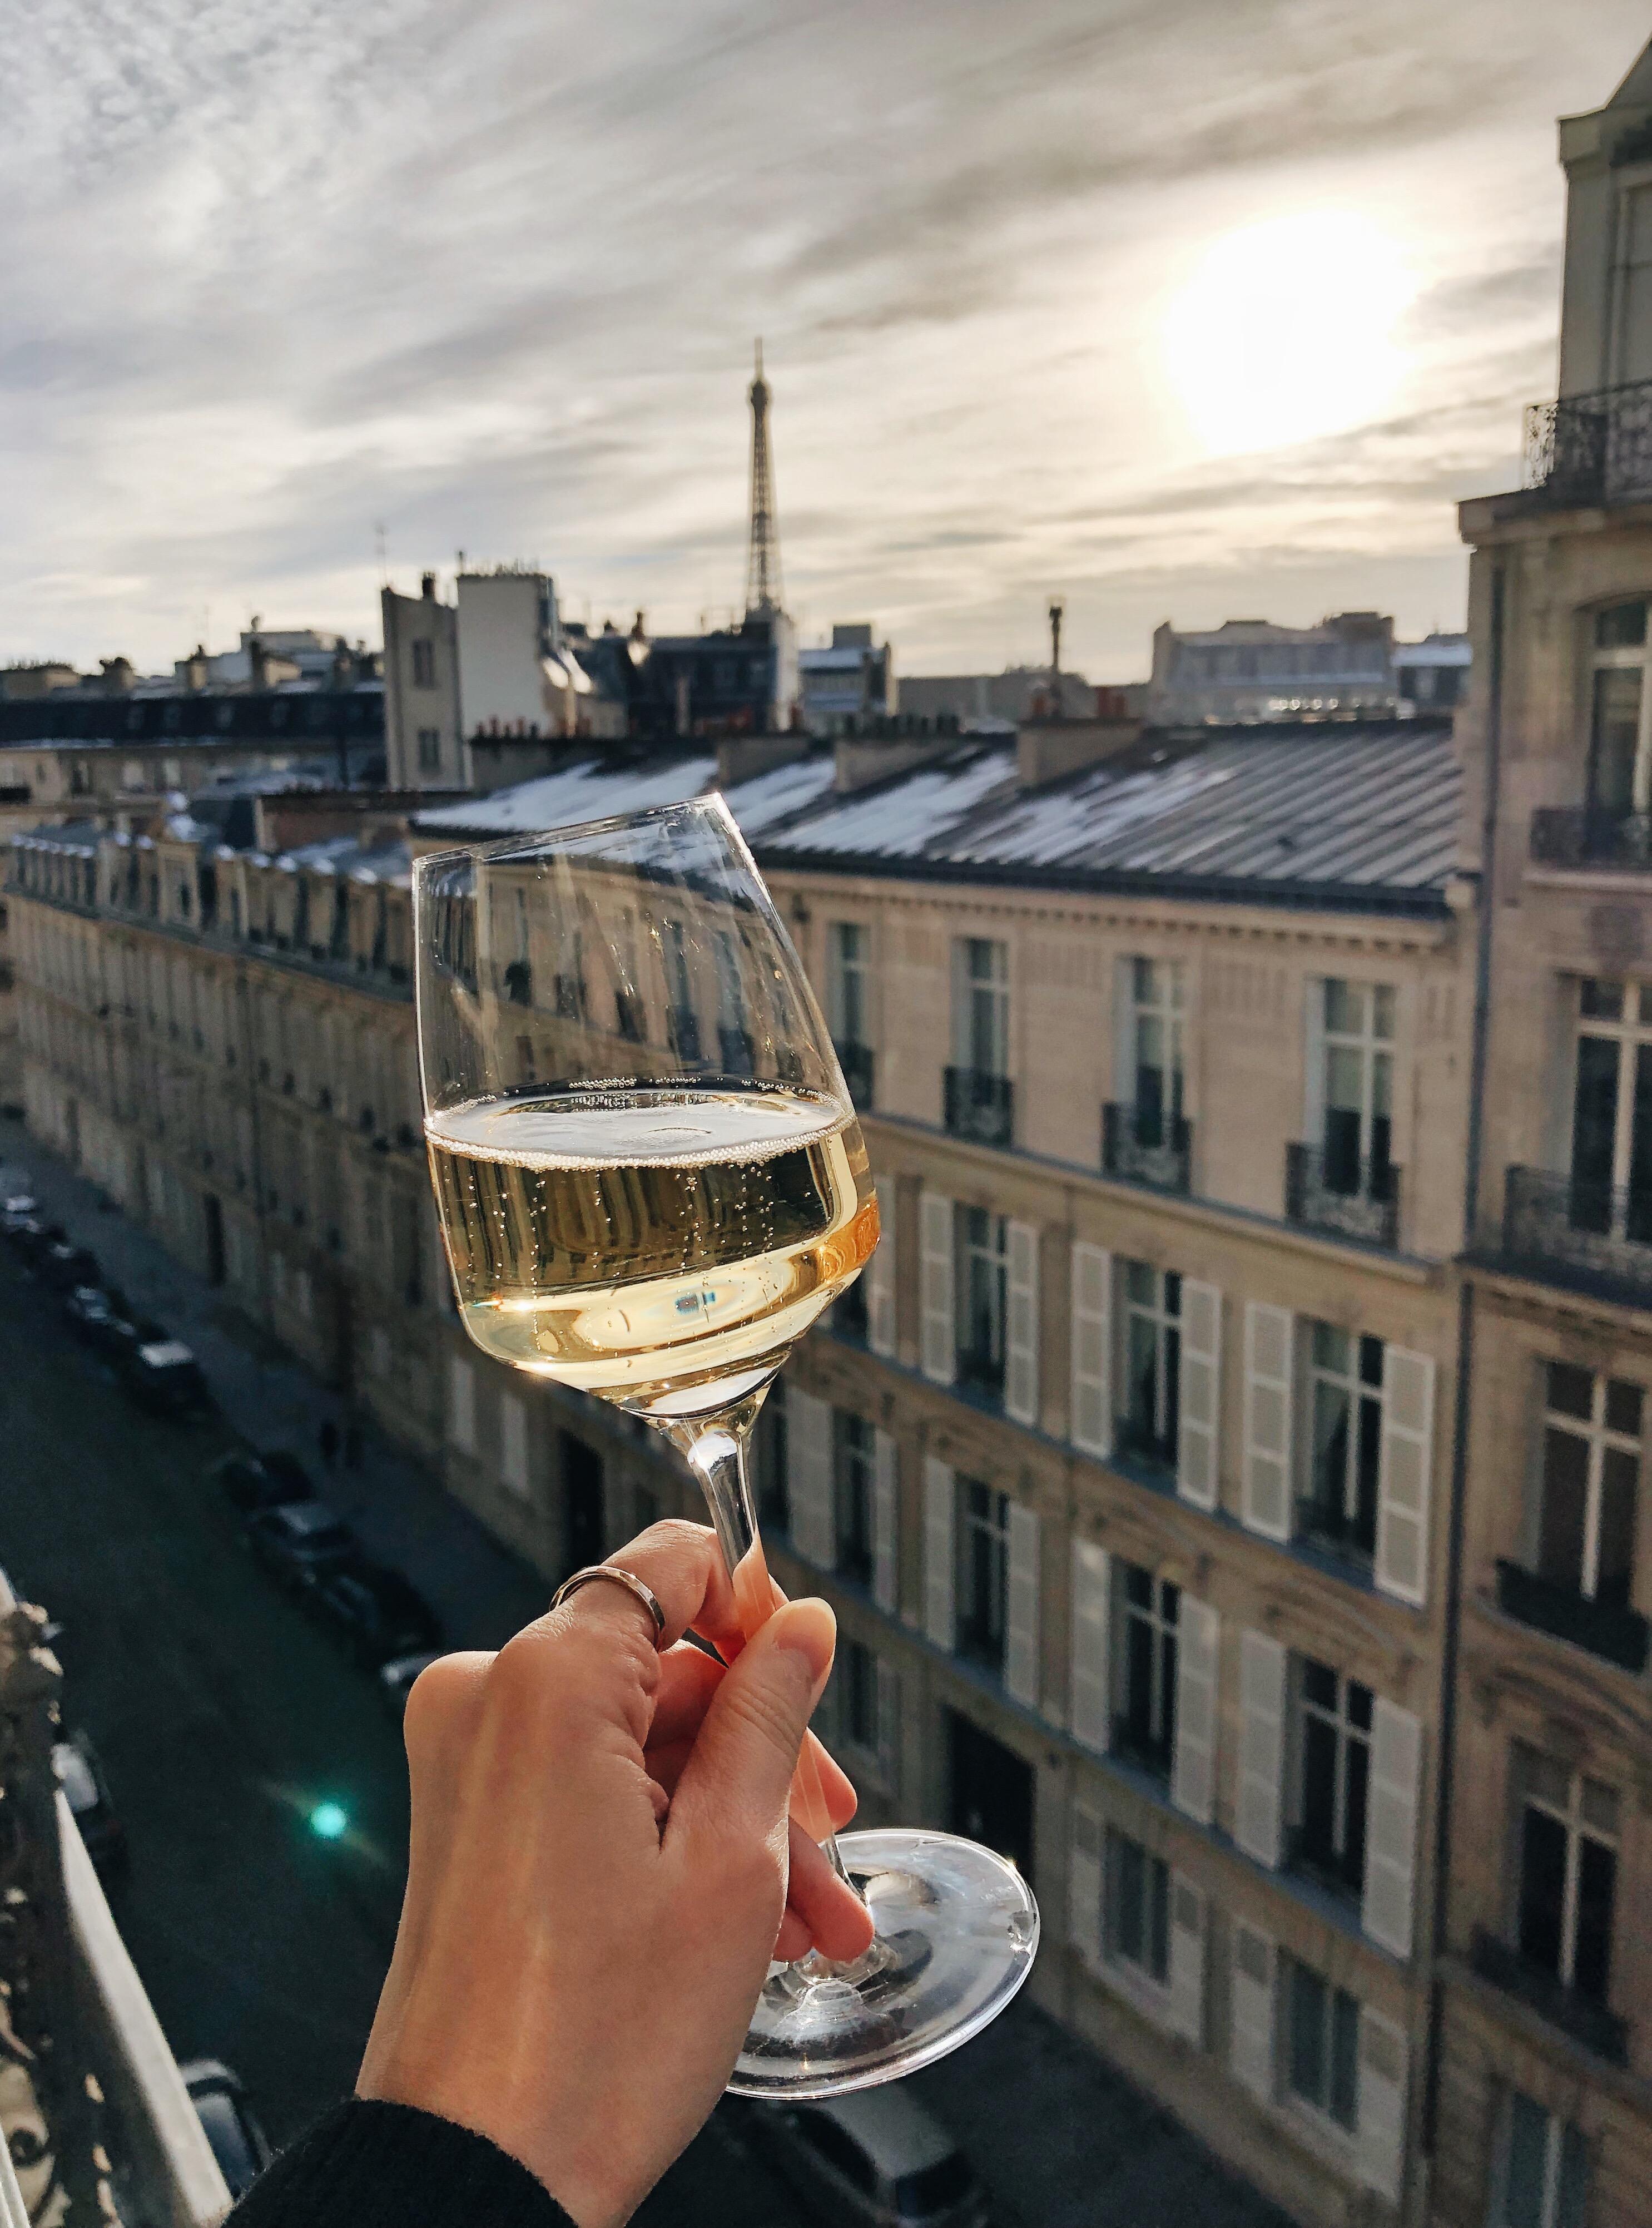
[[651, 1182]]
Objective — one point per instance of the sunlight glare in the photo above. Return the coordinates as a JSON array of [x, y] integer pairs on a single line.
[[1285, 331]]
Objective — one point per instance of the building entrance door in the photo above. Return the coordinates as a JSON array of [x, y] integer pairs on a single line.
[[989, 1792]]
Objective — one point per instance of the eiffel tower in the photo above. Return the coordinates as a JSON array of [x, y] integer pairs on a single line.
[[763, 590]]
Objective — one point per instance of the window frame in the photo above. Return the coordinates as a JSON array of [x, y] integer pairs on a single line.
[[1375, 1050], [855, 1463], [1149, 1962], [981, 1630], [1573, 1820], [1337, 2005], [1359, 1392], [1604, 657], [1158, 1620], [1344, 1869], [981, 1022], [1163, 1312], [1631, 1034], [1600, 1438], [982, 1245], [1559, 2137], [848, 983], [1156, 994]]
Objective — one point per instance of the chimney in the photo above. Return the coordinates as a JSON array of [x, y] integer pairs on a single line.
[[427, 586], [1046, 748], [257, 662]]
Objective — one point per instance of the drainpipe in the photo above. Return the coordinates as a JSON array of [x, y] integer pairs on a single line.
[[1451, 1649]]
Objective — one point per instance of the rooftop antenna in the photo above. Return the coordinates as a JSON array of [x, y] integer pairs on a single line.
[[1058, 612], [763, 589]]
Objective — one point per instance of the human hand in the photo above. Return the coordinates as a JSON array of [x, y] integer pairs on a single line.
[[601, 1869]]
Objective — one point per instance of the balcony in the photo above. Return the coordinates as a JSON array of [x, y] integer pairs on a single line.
[[1343, 1198], [1585, 2021], [1592, 449], [1146, 1151], [980, 1106], [1582, 837], [1597, 1238], [1618, 1635], [855, 1060]]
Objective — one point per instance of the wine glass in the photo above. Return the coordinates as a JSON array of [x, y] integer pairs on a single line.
[[651, 1181]]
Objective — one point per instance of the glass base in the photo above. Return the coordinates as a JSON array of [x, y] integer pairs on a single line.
[[958, 1929]]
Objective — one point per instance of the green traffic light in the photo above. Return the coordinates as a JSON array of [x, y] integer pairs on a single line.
[[330, 1820]]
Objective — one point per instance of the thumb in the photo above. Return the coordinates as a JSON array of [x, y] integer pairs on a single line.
[[739, 1773]]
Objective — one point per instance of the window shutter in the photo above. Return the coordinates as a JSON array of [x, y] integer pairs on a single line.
[[939, 1576], [512, 1443], [809, 1463], [1269, 1343], [1251, 2043], [939, 1354], [1193, 1787], [1020, 1330], [1262, 1750], [883, 1330], [1021, 1640], [1313, 1037], [1084, 1886], [1091, 1700], [1380, 2140], [1391, 1827], [1199, 1411], [1405, 1474], [888, 1726], [1092, 1422], [1186, 1960], [461, 1404], [885, 1524]]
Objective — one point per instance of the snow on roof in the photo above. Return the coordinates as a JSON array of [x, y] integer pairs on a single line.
[[904, 818], [766, 799], [588, 788]]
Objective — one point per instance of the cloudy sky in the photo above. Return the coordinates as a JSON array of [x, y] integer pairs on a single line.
[[1191, 311]]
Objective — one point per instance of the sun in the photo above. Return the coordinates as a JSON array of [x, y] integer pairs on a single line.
[[1285, 332]]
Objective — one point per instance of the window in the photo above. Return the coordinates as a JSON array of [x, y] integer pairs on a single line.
[[1592, 1474], [982, 1573], [734, 1039], [424, 664], [1618, 755], [1544, 2178], [982, 1019], [1335, 1763], [1152, 1349], [1345, 1458], [1145, 1727], [774, 1505], [1359, 1029], [682, 1022], [430, 750], [1568, 1873], [1138, 1907], [854, 1466], [1323, 2046], [848, 962], [984, 1270], [857, 1676], [1154, 1071], [1611, 1114]]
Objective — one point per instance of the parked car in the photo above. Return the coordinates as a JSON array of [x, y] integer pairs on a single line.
[[19, 1201], [27, 1237], [251, 1482], [89, 1313], [80, 1776], [377, 1613], [876, 2158], [165, 1378], [239, 2142], [396, 1679], [63, 1265], [297, 1542]]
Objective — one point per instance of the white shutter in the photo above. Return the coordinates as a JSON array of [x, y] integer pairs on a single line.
[[1262, 1747], [461, 1404], [1251, 2043], [938, 1296], [512, 1443], [888, 1726], [1404, 1474], [809, 1465], [1313, 1053], [1021, 1642], [940, 1579], [885, 1523], [1269, 1345], [881, 1330], [1198, 1418], [1092, 1421], [1084, 1886], [1089, 1703], [1193, 1779], [1380, 2140], [1390, 1826], [1186, 1959], [1020, 1338]]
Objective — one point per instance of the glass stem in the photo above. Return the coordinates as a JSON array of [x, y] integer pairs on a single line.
[[715, 1450]]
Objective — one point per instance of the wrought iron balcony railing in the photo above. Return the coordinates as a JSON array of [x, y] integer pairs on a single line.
[[856, 1062], [980, 1106], [1619, 1635], [1580, 2017], [1345, 1198], [1592, 448], [1582, 836], [1143, 1151], [1597, 1237]]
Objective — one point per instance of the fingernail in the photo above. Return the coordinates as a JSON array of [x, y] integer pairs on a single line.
[[810, 1629]]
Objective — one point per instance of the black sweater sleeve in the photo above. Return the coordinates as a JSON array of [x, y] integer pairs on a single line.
[[387, 2166]]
